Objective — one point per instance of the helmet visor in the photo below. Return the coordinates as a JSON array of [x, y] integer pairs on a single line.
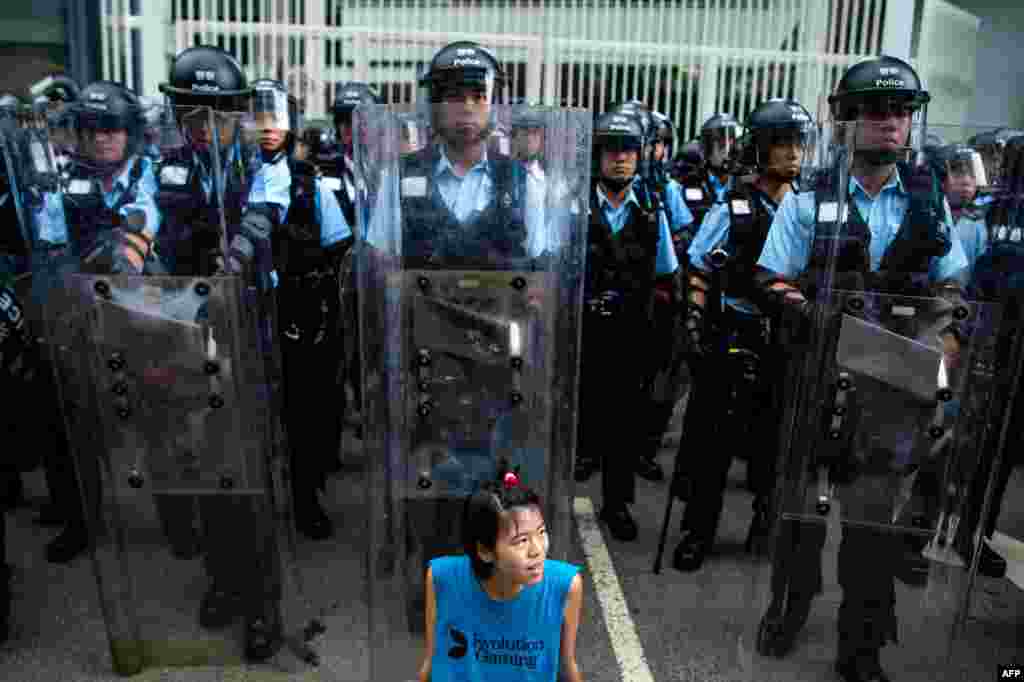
[[718, 144], [270, 109]]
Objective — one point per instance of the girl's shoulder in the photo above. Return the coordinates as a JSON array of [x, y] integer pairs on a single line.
[[560, 573]]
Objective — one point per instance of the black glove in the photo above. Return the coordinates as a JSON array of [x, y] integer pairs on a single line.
[[119, 252], [695, 330]]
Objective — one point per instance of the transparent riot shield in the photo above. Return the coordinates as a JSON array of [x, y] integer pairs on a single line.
[[167, 388], [469, 347], [887, 398]]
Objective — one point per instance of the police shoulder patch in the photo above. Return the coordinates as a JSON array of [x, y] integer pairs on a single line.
[[173, 175], [415, 186], [79, 186], [740, 207]]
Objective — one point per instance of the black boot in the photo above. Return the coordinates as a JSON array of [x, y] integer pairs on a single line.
[[649, 469], [310, 518], [263, 632], [690, 552], [861, 666], [620, 522], [220, 608]]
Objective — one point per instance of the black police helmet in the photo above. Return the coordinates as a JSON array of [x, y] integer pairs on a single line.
[[876, 77], [525, 116], [207, 75], [663, 128], [462, 63], [106, 105], [719, 122], [616, 130], [347, 96], [56, 89], [9, 104], [766, 123]]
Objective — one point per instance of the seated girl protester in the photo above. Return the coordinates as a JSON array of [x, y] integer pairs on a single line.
[[502, 611]]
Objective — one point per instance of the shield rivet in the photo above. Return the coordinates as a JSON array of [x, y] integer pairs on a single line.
[[517, 364], [855, 303], [119, 388], [216, 402], [960, 312], [135, 479], [944, 395], [844, 384], [424, 483], [116, 362], [210, 367], [516, 397], [519, 283], [423, 283], [102, 288], [423, 358], [226, 482], [124, 411], [202, 289], [936, 432]]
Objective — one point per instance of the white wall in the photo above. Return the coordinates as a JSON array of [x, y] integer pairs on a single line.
[[1000, 62]]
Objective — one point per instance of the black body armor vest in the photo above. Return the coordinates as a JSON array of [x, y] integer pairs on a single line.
[[699, 197], [905, 265], [749, 222], [85, 212], [191, 228], [296, 242], [623, 262], [488, 238]]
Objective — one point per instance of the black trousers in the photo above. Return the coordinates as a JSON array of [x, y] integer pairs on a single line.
[[311, 354], [612, 399], [730, 412]]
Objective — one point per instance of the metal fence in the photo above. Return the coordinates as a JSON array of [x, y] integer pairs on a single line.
[[687, 58]]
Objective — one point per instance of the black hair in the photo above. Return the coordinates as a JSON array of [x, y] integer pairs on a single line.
[[481, 519]]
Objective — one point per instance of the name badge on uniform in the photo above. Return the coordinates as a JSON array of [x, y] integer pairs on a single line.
[[79, 186], [414, 187], [828, 212], [173, 175], [740, 207], [694, 194], [331, 183]]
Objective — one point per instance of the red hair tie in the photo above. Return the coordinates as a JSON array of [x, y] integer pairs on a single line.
[[511, 481]]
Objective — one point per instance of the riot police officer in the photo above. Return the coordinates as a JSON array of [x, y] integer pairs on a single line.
[[16, 370], [996, 278], [708, 184], [344, 176], [238, 543], [732, 405], [308, 247], [630, 258], [471, 204], [341, 175], [898, 240], [105, 221]]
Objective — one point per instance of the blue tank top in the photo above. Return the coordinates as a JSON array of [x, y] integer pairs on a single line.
[[479, 639]]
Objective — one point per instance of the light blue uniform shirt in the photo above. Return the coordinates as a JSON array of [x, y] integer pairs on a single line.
[[719, 187], [52, 223], [787, 251], [973, 238], [682, 217], [666, 262], [333, 226], [714, 231], [462, 196]]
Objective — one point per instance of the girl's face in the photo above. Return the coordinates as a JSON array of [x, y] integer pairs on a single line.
[[521, 548]]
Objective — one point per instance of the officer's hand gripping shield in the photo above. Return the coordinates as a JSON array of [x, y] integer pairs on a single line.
[[167, 395], [887, 397], [469, 342]]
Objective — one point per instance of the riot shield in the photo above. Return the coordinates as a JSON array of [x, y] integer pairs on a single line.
[[470, 358], [887, 399], [167, 394]]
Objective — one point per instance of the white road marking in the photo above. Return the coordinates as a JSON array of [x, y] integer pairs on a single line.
[[621, 629]]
